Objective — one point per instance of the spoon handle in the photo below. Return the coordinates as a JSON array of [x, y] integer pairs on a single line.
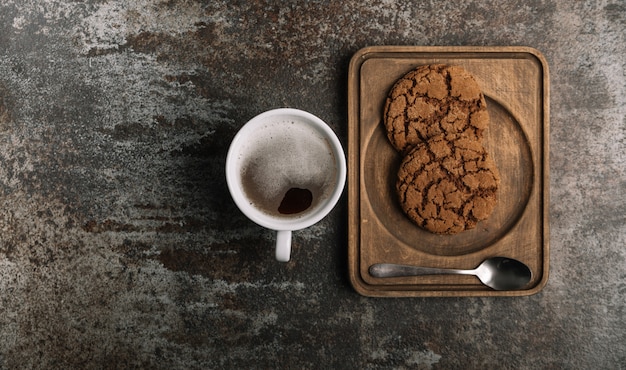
[[383, 270]]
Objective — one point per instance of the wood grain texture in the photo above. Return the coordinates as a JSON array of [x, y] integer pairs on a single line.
[[515, 82]]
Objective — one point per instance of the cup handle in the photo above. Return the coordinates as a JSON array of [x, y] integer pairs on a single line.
[[283, 245]]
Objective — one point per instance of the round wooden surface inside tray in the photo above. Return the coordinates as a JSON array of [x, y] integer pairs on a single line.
[[504, 140]]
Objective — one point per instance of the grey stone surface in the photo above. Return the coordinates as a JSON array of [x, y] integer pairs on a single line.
[[121, 248]]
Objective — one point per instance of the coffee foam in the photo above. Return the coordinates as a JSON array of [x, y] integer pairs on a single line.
[[287, 154]]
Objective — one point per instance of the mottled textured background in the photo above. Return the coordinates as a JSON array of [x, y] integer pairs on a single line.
[[121, 248]]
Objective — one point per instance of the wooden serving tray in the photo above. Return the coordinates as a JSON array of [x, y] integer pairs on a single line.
[[515, 83]]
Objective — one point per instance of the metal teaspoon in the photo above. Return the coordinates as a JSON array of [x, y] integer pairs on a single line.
[[499, 273]]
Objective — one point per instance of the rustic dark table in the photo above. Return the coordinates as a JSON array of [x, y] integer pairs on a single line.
[[120, 246]]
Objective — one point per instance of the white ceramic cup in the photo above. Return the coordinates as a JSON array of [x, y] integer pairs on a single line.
[[279, 150]]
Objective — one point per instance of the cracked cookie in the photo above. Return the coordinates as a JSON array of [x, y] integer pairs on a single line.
[[431, 100], [447, 184]]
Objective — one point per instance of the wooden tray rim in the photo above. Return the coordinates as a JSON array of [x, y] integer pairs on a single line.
[[356, 61]]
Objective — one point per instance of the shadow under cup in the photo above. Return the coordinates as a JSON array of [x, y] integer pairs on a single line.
[[279, 152]]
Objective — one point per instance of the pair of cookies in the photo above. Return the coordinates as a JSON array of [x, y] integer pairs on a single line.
[[435, 116]]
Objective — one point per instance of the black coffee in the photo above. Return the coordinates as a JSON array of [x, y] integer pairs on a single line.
[[296, 200]]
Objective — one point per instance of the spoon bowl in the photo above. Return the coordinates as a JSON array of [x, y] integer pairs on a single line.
[[498, 273]]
